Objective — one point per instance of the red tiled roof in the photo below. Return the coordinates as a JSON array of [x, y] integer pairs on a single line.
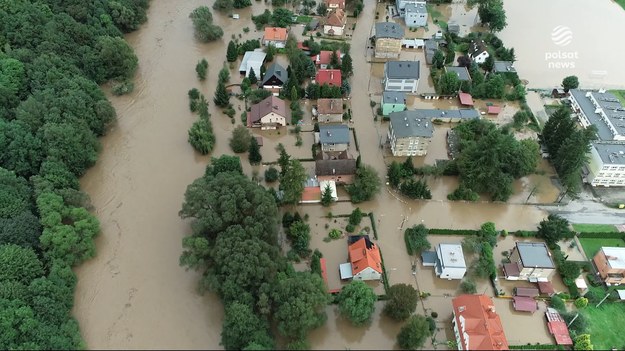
[[301, 46], [362, 257], [324, 273], [494, 110], [511, 269], [528, 292], [481, 323], [557, 327], [546, 288], [524, 303], [466, 99], [276, 33], [311, 193], [329, 77], [336, 18], [324, 57]]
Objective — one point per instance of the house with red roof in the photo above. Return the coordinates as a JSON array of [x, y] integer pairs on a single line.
[[365, 262], [476, 324], [275, 36], [324, 57], [330, 77]]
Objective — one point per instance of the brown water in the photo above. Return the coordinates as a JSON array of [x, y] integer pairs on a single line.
[[595, 26], [133, 294]]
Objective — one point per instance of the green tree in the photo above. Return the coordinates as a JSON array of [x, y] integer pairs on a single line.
[[415, 189], [241, 327], [240, 141], [488, 64], [292, 182], [19, 264], [416, 239], [366, 184], [232, 53], [300, 299], [201, 136], [485, 267], [116, 58], [347, 68], [252, 76], [224, 163], [468, 286], [412, 336], [356, 216], [254, 152], [239, 4], [394, 174], [449, 83], [22, 229], [282, 17], [326, 196], [582, 342], [205, 30], [554, 229], [492, 13], [201, 69], [570, 82], [222, 5], [224, 75], [322, 9], [299, 235], [270, 50], [271, 174], [283, 159], [357, 302], [222, 98], [558, 303], [76, 145], [14, 194], [438, 60], [401, 301]]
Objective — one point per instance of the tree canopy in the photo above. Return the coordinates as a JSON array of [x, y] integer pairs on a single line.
[[357, 302], [366, 184], [414, 333], [205, 30], [401, 301]]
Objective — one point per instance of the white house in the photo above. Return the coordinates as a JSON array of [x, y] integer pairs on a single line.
[[252, 60], [478, 51], [270, 113], [401, 76], [365, 262], [450, 263], [606, 164], [416, 15]]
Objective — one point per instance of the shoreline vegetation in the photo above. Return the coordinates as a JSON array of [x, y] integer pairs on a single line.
[[53, 58]]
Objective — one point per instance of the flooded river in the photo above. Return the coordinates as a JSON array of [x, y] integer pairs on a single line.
[[585, 44], [134, 295]]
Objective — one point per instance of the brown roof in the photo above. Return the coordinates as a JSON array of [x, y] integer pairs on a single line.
[[330, 106], [546, 288], [263, 108], [336, 18], [482, 323], [330, 167]]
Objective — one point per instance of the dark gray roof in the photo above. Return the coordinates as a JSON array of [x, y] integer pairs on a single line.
[[610, 153], [476, 47], [461, 71], [278, 71], [535, 254], [428, 257], [332, 167], [504, 67], [610, 105], [334, 134], [431, 46], [411, 124], [389, 30], [393, 97], [402, 69], [453, 28]]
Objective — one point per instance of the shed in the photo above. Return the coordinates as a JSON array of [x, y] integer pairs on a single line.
[[494, 110], [527, 292], [428, 258], [345, 269], [581, 285], [557, 327], [466, 99], [525, 304], [546, 288]]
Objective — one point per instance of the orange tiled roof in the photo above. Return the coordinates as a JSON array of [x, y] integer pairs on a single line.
[[362, 257], [481, 323], [275, 33], [311, 193], [336, 18]]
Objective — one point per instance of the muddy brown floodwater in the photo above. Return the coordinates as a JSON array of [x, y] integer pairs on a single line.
[[134, 295]]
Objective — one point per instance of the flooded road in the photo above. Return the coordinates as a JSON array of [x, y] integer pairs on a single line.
[[134, 295], [582, 46]]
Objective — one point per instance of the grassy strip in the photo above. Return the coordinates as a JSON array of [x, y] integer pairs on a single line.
[[373, 227], [304, 19], [605, 325], [603, 235], [273, 163], [592, 245], [594, 228]]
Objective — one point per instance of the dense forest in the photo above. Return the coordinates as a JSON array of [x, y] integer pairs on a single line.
[[53, 55]]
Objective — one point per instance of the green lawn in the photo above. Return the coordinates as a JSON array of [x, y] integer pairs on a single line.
[[594, 228], [620, 94], [592, 245], [304, 19], [437, 16], [606, 325]]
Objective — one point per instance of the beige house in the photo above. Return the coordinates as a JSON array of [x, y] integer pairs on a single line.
[[530, 261], [270, 113], [610, 262], [335, 23], [330, 110], [388, 39], [409, 134]]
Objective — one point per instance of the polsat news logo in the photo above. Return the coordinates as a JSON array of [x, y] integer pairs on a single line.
[[561, 36]]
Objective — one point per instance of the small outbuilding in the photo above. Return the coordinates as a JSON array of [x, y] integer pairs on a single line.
[[465, 99], [524, 304]]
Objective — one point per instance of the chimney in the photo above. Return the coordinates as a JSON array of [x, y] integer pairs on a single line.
[[333, 171], [331, 75], [329, 134], [395, 98], [332, 105]]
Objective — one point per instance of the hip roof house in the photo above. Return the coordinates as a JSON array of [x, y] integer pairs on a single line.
[[476, 324]]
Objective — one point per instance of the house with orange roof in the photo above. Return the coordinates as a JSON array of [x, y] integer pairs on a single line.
[[476, 324], [365, 262], [275, 36], [335, 22]]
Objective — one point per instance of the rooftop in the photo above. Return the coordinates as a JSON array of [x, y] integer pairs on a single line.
[[334, 134], [336, 18], [330, 106], [266, 106], [591, 102], [325, 57], [610, 153], [615, 256], [461, 71], [275, 33], [534, 254], [416, 8], [524, 303], [364, 254], [451, 255], [252, 59], [275, 70], [480, 322], [328, 76], [466, 99], [388, 30], [402, 69], [476, 47], [504, 66], [411, 124], [393, 97]]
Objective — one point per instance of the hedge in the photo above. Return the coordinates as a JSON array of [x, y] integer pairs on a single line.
[[537, 347], [602, 235], [355, 139], [373, 227], [384, 275], [440, 231]]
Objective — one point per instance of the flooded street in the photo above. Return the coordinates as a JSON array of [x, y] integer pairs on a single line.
[[134, 295], [585, 48]]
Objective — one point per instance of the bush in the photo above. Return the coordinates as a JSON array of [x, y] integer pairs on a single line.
[[201, 136], [558, 303], [121, 88], [356, 216], [468, 286], [240, 141], [416, 239], [335, 234], [350, 228], [271, 174], [434, 314], [201, 69], [205, 30], [581, 302]]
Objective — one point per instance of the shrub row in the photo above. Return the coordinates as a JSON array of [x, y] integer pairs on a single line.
[[602, 235], [373, 227]]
